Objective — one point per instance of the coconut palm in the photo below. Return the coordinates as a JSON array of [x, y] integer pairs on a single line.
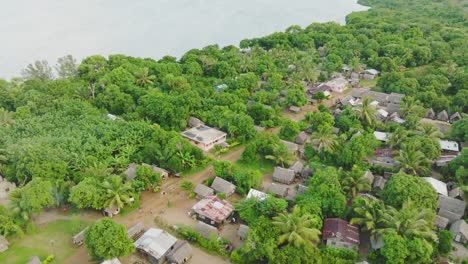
[[323, 140], [411, 106], [117, 193], [6, 117], [17, 205], [143, 78], [354, 183], [367, 112], [397, 138], [412, 161], [367, 214], [409, 221], [296, 228], [429, 131]]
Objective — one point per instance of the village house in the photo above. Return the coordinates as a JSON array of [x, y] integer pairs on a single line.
[[449, 147], [301, 189], [131, 170], [111, 211], [112, 261], [383, 157], [301, 138], [258, 195], [6, 187], [439, 186], [306, 172], [443, 116], [136, 230], [381, 136], [451, 208], [242, 232], [204, 137], [294, 109], [279, 190], [78, 239], [379, 183], [34, 260], [194, 122], [370, 74], [203, 191], [315, 89], [207, 231], [213, 210], [181, 253], [156, 245], [457, 193], [3, 244], [459, 229], [297, 167], [292, 147], [220, 185], [455, 117], [259, 128], [444, 159], [430, 114], [338, 233], [283, 175], [441, 222], [368, 175], [338, 85]]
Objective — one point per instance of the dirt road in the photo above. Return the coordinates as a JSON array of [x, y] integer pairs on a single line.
[[152, 205]]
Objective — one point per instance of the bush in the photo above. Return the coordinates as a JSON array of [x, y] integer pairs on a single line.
[[187, 185], [445, 242], [211, 245]]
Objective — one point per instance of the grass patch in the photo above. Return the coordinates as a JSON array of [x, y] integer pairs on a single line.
[[39, 244], [131, 207], [368, 83], [262, 165], [195, 169]]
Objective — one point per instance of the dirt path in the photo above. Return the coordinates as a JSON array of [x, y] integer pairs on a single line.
[[154, 204]]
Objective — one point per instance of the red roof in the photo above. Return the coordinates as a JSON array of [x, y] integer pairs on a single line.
[[339, 228], [384, 152], [214, 208]]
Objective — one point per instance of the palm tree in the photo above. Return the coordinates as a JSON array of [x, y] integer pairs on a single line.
[[411, 106], [429, 131], [355, 65], [398, 137], [280, 155], [117, 193], [17, 205], [143, 78], [412, 161], [368, 212], [296, 228], [409, 221], [324, 140], [6, 117], [367, 112], [354, 183]]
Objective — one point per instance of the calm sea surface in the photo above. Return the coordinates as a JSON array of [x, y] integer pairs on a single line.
[[48, 29]]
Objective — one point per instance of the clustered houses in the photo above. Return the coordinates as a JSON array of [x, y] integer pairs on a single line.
[[158, 246], [213, 210], [443, 116]]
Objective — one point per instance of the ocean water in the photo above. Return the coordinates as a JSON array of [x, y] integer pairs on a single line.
[[48, 29]]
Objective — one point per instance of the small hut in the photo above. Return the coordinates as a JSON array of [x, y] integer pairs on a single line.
[[283, 175], [443, 116], [455, 117], [34, 260], [430, 114], [135, 231], [220, 185], [3, 244], [181, 253], [301, 138], [297, 167], [78, 239], [194, 122], [202, 191], [206, 230], [280, 190], [379, 183], [294, 109], [242, 232]]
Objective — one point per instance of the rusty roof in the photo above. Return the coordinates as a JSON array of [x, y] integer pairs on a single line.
[[339, 228]]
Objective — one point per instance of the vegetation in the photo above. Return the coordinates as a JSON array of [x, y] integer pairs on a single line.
[[101, 240]]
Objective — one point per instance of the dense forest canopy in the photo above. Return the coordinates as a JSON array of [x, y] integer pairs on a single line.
[[74, 131]]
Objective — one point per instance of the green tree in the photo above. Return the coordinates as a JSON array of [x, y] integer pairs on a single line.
[[367, 213], [6, 118], [40, 69], [354, 182], [323, 140], [297, 228], [105, 239], [402, 187], [32, 198], [412, 161], [395, 250], [143, 78], [66, 67], [459, 130], [116, 192], [366, 112], [445, 242], [87, 194], [289, 130]]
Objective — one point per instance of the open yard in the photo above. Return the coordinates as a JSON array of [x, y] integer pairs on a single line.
[[53, 238]]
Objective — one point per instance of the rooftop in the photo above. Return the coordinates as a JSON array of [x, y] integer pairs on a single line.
[[339, 228], [155, 242], [439, 186], [257, 195], [203, 134], [381, 136], [220, 185], [448, 145], [214, 208]]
